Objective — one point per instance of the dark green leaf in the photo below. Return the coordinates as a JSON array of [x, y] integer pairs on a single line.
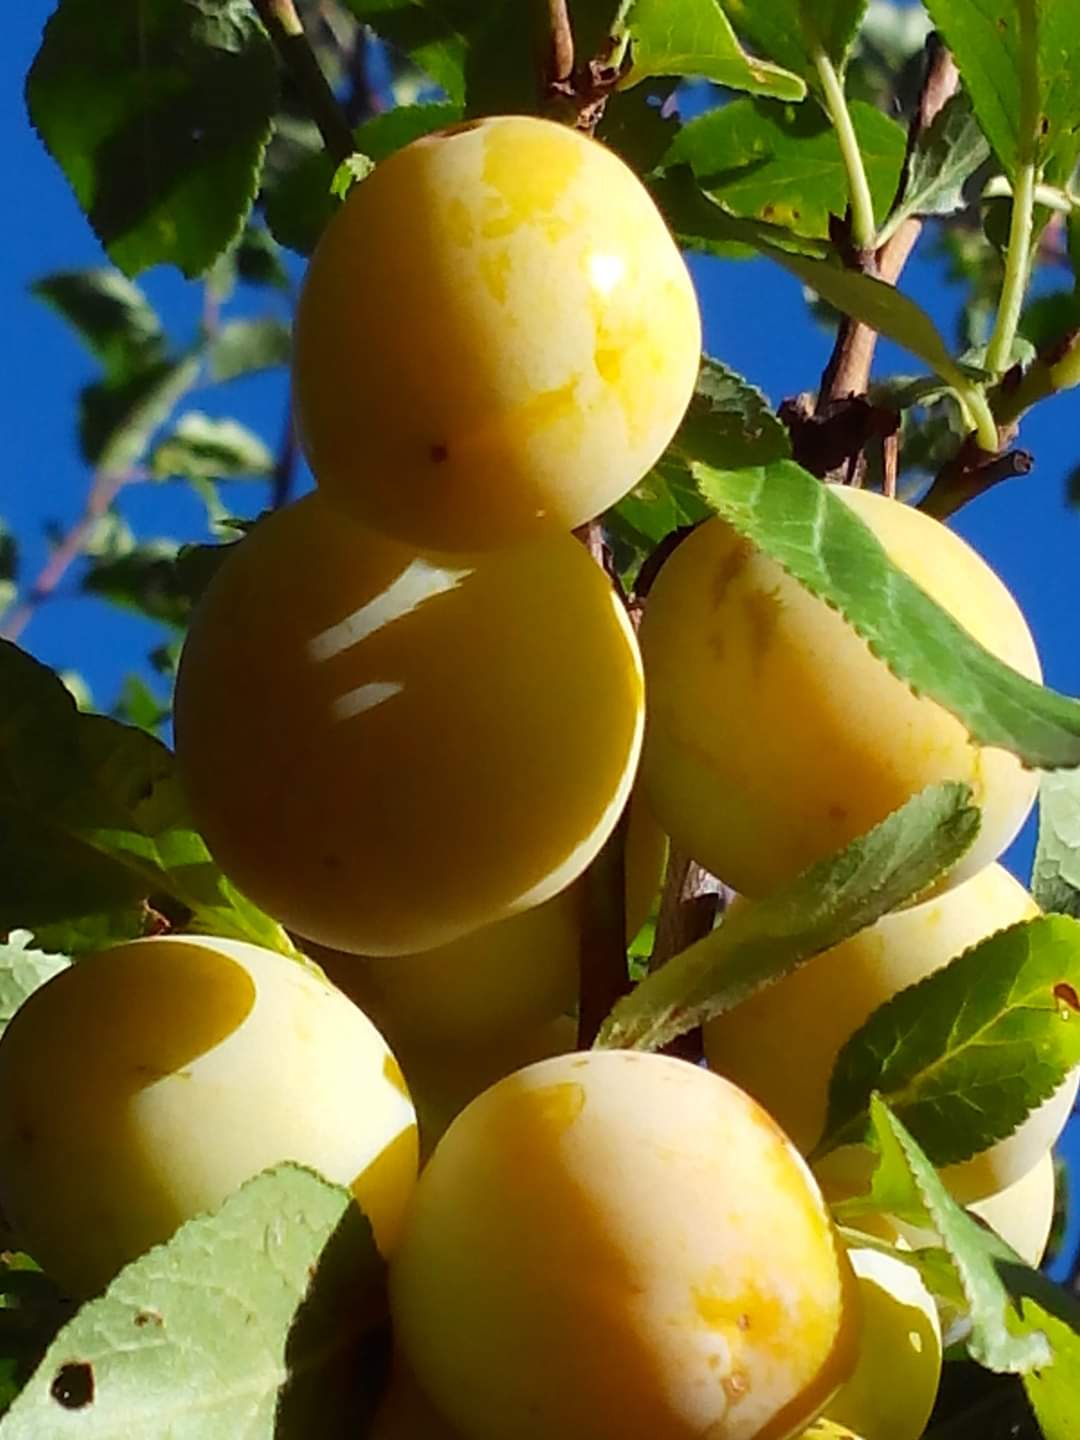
[[700, 224], [243, 347], [111, 316], [158, 118], [763, 940], [729, 423], [666, 499], [101, 806], [965, 1055], [635, 127], [300, 201], [255, 1321], [946, 156], [991, 48], [117, 422], [976, 1254], [139, 706], [433, 33], [782, 163], [1055, 881], [694, 37], [791, 30], [258, 261], [1050, 318], [818, 539], [200, 447], [9, 567], [31, 1312]]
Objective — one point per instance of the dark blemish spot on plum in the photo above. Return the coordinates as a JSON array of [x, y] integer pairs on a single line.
[[837, 812], [743, 1322], [73, 1386], [439, 454], [1064, 992]]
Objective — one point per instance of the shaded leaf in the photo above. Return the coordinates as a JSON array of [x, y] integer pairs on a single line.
[[139, 706], [158, 119], [241, 1325], [947, 154], [201, 447], [118, 421], [32, 1310], [701, 224], [243, 347], [157, 579], [806, 528], [763, 940], [782, 163], [258, 260], [791, 30], [991, 48], [695, 37], [964, 1056], [93, 823], [110, 315], [975, 1253]]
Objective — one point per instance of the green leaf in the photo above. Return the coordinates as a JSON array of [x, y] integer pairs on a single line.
[[111, 316], [299, 199], [257, 257], [965, 1055], [117, 421], [945, 157], [255, 1321], [244, 347], [975, 1253], [9, 567], [139, 706], [1052, 1389], [435, 34], [763, 940], [791, 30], [700, 224], [637, 128], [729, 422], [202, 448], [694, 37], [158, 119], [991, 47], [103, 806], [782, 163], [22, 971], [807, 529], [1056, 873], [665, 500], [32, 1310], [350, 172]]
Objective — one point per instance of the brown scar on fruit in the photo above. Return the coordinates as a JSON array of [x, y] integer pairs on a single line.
[[729, 569], [439, 453]]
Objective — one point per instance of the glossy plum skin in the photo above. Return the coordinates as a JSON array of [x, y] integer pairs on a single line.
[[514, 975], [781, 1044], [207, 1061], [496, 333], [892, 1392], [774, 735], [467, 728], [643, 1203]]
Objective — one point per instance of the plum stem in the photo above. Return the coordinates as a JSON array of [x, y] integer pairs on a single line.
[[287, 32]]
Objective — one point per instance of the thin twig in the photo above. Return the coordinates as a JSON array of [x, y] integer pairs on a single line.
[[603, 969], [105, 487], [561, 63], [284, 27], [689, 905], [848, 370], [970, 473]]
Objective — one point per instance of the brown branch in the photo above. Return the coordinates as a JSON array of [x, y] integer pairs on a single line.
[[603, 969], [561, 62], [105, 487], [285, 29], [969, 473], [848, 370], [689, 905]]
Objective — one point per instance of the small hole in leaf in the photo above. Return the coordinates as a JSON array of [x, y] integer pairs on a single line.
[[73, 1386], [1067, 995]]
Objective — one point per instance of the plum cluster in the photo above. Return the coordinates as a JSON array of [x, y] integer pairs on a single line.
[[411, 710]]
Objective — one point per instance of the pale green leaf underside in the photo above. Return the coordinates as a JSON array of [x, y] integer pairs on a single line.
[[694, 37], [196, 1340], [1056, 873], [947, 155], [966, 1054], [800, 523], [976, 1254], [1053, 1389], [763, 940], [22, 971]]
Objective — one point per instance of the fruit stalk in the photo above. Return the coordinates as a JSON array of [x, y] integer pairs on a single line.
[[285, 29]]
